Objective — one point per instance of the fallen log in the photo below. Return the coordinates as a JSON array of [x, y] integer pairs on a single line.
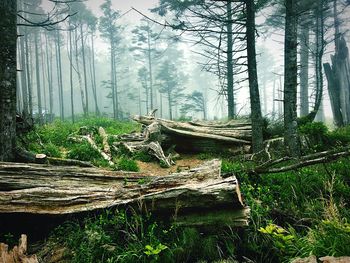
[[199, 196], [189, 137], [307, 160]]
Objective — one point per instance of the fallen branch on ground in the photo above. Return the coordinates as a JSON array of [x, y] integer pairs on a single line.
[[316, 158]]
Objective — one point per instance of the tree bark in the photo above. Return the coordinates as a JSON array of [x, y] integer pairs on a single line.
[[304, 70], [49, 75], [150, 70], [8, 72], [197, 197], [291, 76], [84, 71], [229, 62], [257, 124], [24, 84], [28, 73], [59, 74], [37, 71], [71, 73]]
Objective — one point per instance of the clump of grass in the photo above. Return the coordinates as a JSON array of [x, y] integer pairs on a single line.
[[125, 236], [126, 164], [83, 151]]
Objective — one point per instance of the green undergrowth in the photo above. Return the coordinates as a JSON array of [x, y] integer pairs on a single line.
[[53, 140], [124, 236], [297, 213], [293, 214]]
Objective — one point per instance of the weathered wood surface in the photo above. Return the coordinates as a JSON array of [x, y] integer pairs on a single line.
[[201, 137], [201, 192], [17, 254]]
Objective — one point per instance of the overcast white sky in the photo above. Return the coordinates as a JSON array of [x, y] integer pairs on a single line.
[[122, 5]]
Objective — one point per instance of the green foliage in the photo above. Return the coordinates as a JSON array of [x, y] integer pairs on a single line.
[[125, 164], [52, 150], [316, 135], [274, 129], [340, 136], [143, 157], [124, 236], [83, 151], [52, 139]]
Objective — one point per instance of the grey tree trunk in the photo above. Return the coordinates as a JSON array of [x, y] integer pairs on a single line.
[[318, 60], [86, 112], [150, 66], [28, 73], [59, 73], [304, 70], [71, 73], [24, 84], [94, 87], [8, 71], [37, 71], [291, 77], [49, 75], [229, 62], [170, 106], [78, 71], [115, 115], [257, 124]]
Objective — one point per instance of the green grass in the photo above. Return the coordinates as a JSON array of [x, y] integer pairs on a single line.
[[124, 236], [52, 139], [293, 214]]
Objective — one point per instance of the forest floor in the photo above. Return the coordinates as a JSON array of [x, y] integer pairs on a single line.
[[293, 214]]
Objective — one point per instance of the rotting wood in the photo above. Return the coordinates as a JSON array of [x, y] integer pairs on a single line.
[[38, 189], [17, 254], [201, 137], [307, 160], [29, 157]]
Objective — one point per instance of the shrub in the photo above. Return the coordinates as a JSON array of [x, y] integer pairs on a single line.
[[125, 164], [52, 150], [83, 152]]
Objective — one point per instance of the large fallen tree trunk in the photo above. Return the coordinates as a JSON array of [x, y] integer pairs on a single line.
[[199, 196], [201, 137]]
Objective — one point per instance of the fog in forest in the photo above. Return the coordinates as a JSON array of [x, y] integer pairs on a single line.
[[122, 58]]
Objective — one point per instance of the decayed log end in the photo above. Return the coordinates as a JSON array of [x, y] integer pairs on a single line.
[[199, 193], [17, 254]]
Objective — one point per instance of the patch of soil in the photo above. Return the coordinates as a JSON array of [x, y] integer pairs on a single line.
[[186, 162]]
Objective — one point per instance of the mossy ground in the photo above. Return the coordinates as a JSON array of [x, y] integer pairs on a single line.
[[293, 214]]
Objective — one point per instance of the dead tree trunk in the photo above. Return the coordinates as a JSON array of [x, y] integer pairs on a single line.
[[197, 197]]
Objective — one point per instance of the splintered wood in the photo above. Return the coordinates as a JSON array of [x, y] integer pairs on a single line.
[[233, 136], [17, 254], [199, 196]]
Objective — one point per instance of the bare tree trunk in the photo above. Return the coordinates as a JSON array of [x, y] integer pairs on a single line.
[[37, 71], [229, 62], [291, 77], [24, 77], [115, 115], [8, 72], [84, 70], [150, 66], [29, 82], [170, 106], [49, 75], [71, 73], [94, 87], [78, 71], [257, 124], [304, 70], [43, 69], [318, 60], [59, 74]]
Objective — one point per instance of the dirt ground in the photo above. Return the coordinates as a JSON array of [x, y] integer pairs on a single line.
[[185, 163]]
